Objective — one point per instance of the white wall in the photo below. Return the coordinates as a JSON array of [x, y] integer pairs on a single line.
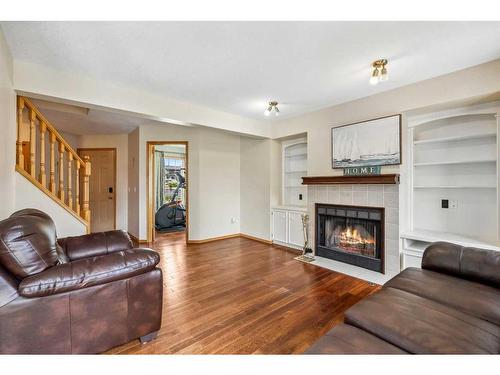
[[133, 183], [120, 142], [8, 131], [478, 81], [36, 79], [255, 187], [72, 139], [213, 178], [219, 184], [29, 196]]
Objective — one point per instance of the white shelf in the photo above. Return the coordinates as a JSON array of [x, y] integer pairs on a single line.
[[294, 166], [297, 172], [455, 187], [291, 208], [296, 156], [452, 155], [434, 236], [456, 162], [455, 138]]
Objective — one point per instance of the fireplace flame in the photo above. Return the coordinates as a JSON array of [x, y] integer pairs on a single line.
[[352, 236]]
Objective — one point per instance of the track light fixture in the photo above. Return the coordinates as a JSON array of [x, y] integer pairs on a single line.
[[272, 106], [379, 73]]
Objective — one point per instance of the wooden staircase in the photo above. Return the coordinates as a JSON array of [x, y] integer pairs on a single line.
[[68, 174]]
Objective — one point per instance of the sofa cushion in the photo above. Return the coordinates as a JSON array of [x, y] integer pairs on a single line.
[[95, 244], [28, 243], [89, 272], [473, 298], [420, 325], [347, 339]]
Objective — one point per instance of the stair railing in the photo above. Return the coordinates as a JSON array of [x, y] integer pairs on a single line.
[[68, 174]]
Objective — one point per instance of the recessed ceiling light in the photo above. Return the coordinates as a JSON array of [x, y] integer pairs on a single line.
[[273, 106], [379, 73]]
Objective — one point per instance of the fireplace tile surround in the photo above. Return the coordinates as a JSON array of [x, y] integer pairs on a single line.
[[386, 196]]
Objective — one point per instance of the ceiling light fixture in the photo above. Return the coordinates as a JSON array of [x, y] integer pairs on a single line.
[[379, 73], [272, 106]]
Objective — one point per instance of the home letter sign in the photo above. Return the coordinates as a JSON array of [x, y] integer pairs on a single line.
[[361, 171]]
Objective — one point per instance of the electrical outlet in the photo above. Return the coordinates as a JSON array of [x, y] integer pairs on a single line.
[[300, 197], [453, 204], [445, 203], [233, 220]]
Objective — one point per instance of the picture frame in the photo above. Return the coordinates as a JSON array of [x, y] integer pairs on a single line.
[[375, 142]]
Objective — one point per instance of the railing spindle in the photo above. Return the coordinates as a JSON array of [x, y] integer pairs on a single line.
[[61, 172], [43, 177], [77, 187], [19, 143], [86, 191], [32, 143], [52, 183], [70, 193]]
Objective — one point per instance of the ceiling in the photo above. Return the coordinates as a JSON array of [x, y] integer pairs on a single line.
[[238, 67], [80, 121]]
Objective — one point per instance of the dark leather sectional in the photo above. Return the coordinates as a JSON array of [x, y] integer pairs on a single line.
[[81, 294], [450, 306]]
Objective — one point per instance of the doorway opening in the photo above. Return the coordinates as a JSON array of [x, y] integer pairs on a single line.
[[102, 191], [167, 190]]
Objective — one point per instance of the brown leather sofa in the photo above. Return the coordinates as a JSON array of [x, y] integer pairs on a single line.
[[450, 306], [82, 294]]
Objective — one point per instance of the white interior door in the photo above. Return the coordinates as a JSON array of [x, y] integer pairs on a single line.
[[102, 189]]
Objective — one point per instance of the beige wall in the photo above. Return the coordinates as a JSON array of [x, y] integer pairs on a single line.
[[120, 142], [477, 81], [8, 131]]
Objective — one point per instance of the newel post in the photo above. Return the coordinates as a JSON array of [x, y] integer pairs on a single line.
[[86, 191]]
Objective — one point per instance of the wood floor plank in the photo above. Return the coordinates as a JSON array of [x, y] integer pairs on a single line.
[[239, 296]]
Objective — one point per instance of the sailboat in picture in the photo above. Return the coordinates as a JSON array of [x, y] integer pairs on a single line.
[[370, 143]]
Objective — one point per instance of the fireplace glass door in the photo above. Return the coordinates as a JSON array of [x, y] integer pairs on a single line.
[[350, 234], [355, 236]]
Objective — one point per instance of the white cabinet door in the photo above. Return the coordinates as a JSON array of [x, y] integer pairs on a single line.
[[279, 226], [410, 260], [295, 232]]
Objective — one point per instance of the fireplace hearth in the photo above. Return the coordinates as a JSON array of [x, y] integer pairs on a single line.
[[351, 234]]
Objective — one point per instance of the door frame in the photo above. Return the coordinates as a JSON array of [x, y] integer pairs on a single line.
[[80, 149], [150, 184]]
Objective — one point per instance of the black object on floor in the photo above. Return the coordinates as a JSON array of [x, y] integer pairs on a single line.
[[176, 228]]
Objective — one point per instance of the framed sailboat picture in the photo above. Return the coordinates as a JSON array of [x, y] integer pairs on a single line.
[[367, 143]]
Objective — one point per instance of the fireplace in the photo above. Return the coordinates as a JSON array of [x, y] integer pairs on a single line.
[[351, 234]]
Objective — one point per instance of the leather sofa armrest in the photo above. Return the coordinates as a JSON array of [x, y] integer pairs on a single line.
[[469, 263], [88, 272], [8, 287], [95, 244]]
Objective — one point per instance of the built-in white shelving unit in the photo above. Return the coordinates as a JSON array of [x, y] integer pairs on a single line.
[[294, 168], [453, 155], [286, 219]]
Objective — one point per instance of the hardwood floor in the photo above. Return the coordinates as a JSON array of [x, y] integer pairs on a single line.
[[240, 296]]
